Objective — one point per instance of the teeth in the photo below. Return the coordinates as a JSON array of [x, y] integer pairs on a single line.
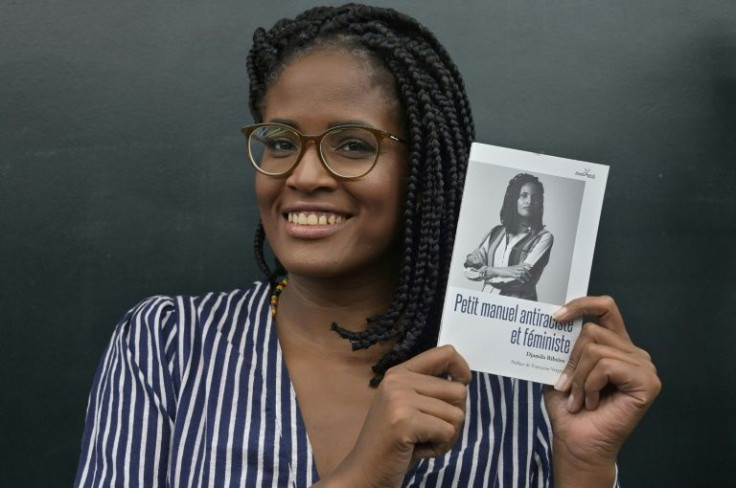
[[307, 218]]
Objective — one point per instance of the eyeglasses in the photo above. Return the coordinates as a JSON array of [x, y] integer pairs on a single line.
[[346, 151]]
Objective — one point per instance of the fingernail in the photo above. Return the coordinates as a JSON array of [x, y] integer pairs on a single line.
[[561, 382], [560, 312], [570, 402], [588, 403]]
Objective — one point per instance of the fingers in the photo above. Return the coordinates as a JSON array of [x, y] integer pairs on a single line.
[[435, 437], [443, 361], [637, 379], [428, 397], [431, 425], [525, 277], [609, 381], [520, 275], [472, 274], [430, 387], [591, 336], [523, 272], [401, 427], [409, 393], [603, 309], [418, 411], [601, 358], [611, 331]]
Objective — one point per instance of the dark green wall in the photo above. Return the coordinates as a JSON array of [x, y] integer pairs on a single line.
[[122, 175]]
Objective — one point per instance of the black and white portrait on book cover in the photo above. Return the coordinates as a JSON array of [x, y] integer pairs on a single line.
[[522, 234]]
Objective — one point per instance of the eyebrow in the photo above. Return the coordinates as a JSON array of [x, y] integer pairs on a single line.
[[295, 124]]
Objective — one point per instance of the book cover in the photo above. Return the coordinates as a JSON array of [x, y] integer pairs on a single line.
[[523, 247]]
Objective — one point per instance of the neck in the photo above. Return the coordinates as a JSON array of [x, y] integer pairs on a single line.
[[308, 306], [524, 224]]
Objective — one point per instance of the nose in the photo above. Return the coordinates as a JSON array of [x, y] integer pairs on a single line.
[[310, 174]]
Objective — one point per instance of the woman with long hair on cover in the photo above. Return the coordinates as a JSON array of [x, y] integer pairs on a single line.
[[511, 257]]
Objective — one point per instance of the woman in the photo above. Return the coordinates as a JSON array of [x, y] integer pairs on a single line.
[[512, 256], [360, 148]]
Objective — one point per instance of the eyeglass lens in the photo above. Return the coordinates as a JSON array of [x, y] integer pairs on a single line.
[[348, 152]]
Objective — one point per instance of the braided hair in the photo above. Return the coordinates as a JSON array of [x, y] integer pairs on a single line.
[[439, 129], [509, 212]]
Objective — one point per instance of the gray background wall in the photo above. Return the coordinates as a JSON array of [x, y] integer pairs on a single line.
[[122, 175]]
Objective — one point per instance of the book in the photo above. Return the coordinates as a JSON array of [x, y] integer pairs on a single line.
[[523, 248]]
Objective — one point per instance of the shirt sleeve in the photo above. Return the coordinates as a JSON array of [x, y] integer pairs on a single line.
[[479, 256], [541, 248], [131, 409]]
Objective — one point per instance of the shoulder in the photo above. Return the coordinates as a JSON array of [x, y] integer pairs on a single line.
[[544, 236], [158, 308], [161, 318], [253, 299], [149, 317], [497, 231]]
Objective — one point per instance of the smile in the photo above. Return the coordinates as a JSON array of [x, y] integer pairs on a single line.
[[314, 218]]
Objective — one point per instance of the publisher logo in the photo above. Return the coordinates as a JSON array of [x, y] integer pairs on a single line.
[[586, 172]]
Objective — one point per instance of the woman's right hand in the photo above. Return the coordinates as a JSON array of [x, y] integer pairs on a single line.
[[417, 412]]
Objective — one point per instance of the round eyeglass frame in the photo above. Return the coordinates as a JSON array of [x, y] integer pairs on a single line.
[[379, 134]]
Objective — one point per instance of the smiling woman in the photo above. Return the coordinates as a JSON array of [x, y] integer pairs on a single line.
[[360, 148], [360, 246]]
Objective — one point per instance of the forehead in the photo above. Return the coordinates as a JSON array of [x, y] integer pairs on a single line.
[[331, 84], [529, 188]]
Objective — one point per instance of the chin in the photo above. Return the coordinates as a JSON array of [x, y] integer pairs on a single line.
[[337, 266], [312, 269]]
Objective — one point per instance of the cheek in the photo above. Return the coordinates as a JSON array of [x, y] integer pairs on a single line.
[[265, 190], [383, 202]]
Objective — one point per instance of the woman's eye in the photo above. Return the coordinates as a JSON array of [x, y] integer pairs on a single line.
[[355, 148], [281, 146]]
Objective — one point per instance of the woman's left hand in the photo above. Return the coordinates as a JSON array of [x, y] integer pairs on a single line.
[[605, 389]]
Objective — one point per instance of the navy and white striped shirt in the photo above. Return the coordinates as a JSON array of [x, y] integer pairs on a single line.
[[193, 391]]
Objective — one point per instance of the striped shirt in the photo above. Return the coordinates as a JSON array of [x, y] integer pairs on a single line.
[[193, 391]]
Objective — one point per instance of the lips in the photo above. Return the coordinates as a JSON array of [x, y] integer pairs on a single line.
[[309, 218]]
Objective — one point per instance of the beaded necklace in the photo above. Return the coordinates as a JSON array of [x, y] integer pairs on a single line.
[[275, 296]]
